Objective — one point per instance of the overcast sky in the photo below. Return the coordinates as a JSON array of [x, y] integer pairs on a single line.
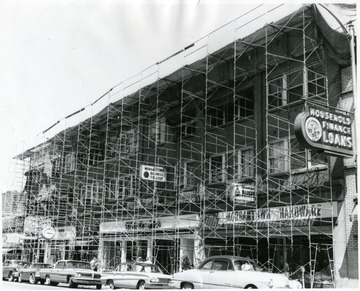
[[58, 56]]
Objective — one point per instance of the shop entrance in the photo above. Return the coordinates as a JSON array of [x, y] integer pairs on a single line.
[[165, 255]]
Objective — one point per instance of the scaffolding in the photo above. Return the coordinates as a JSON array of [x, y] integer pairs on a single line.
[[194, 162]]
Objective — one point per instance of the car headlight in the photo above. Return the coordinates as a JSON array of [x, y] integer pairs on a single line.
[[77, 275], [270, 283], [154, 280]]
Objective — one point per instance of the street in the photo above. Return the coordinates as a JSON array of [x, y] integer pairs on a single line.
[[8, 286]]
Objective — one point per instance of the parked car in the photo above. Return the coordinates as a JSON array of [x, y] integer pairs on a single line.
[[11, 269], [31, 274], [71, 272], [139, 275], [231, 272]]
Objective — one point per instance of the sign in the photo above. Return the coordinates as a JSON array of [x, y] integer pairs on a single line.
[[144, 225], [286, 213], [325, 130], [33, 225], [242, 193], [153, 173], [48, 232]]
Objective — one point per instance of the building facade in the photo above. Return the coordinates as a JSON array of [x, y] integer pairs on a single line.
[[208, 160]]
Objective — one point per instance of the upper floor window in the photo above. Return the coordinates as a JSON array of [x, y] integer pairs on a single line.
[[69, 164], [242, 107], [240, 164], [187, 127], [187, 177], [217, 171], [289, 87], [121, 188], [128, 142], [279, 156], [159, 131]]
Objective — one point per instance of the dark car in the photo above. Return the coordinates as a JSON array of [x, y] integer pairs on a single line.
[[11, 269], [31, 274], [71, 272]]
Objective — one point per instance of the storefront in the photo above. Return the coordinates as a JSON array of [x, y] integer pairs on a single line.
[[164, 241]]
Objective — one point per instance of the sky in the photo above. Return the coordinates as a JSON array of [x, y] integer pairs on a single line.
[[58, 56]]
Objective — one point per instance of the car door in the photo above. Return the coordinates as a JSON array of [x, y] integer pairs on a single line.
[[5, 269], [218, 274]]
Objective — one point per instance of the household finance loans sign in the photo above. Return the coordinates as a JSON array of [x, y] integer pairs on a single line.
[[277, 214], [326, 130]]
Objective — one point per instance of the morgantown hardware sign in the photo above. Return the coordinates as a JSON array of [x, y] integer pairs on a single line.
[[278, 214], [329, 131]]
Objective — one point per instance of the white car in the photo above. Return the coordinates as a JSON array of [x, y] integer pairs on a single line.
[[231, 272], [140, 275]]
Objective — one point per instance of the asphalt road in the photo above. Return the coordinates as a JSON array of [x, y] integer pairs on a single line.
[[15, 286]]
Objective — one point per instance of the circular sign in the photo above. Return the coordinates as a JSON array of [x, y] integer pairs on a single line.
[[48, 232], [313, 129]]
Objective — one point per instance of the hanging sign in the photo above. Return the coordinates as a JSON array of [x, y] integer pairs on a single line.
[[242, 193], [153, 173], [325, 130]]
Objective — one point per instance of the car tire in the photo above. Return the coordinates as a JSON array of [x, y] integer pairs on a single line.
[[71, 283], [111, 285], [11, 277], [49, 282], [32, 279], [140, 285], [20, 279], [250, 287], [187, 285], [98, 287]]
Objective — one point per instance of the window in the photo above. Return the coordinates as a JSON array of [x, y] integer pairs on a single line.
[[159, 131], [217, 169], [230, 112], [128, 143], [127, 186], [241, 165], [246, 163], [69, 165], [187, 178], [278, 156], [187, 127], [289, 87], [120, 188], [277, 92]]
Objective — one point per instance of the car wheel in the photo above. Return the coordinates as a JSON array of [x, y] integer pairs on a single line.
[[187, 285], [98, 286], [140, 285], [250, 287], [20, 279], [32, 279], [49, 282], [71, 283], [11, 277], [111, 285]]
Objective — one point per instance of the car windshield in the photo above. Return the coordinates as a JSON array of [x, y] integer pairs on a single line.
[[78, 265]]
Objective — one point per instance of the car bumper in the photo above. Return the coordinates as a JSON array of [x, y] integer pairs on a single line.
[[84, 281], [159, 286]]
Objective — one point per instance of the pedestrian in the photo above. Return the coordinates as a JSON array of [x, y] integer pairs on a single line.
[[94, 264]]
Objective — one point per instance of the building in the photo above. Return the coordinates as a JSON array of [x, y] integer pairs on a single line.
[[219, 156]]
